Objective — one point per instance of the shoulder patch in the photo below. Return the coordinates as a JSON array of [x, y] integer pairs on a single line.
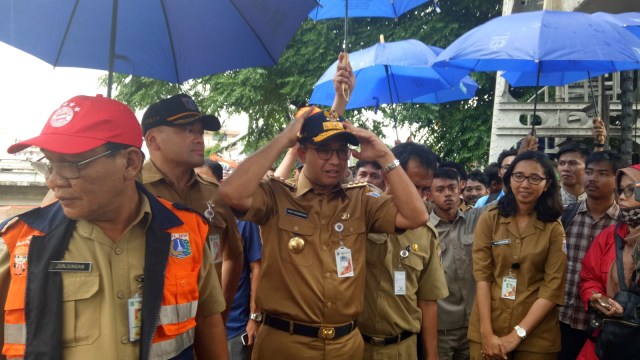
[[354, 185], [207, 180], [290, 183]]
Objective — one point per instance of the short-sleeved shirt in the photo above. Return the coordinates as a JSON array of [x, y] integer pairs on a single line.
[[386, 314], [201, 192], [456, 242], [497, 244], [94, 310], [303, 284], [568, 198]]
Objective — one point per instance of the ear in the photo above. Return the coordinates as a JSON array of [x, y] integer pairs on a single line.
[[302, 154], [134, 159], [151, 139]]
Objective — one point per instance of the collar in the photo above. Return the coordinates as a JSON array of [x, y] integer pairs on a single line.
[[151, 173], [513, 226], [612, 212], [86, 228], [437, 219], [303, 185]]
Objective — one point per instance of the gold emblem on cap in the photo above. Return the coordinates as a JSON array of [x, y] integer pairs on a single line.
[[296, 245], [415, 247], [345, 216]]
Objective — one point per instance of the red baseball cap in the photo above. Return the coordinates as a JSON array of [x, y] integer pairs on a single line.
[[83, 123]]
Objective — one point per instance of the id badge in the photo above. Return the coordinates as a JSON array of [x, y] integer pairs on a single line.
[[509, 287], [134, 305], [216, 248], [344, 262], [400, 282]]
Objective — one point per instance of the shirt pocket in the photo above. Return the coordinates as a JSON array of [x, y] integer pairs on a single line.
[[304, 230], [178, 310], [81, 309]]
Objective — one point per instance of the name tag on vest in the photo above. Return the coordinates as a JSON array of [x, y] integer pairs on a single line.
[[73, 266]]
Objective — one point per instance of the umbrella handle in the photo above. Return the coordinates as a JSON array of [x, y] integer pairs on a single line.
[[345, 88]]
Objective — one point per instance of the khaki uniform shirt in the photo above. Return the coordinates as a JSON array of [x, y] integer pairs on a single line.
[[386, 314], [94, 309], [303, 285], [543, 263], [223, 234], [456, 242]]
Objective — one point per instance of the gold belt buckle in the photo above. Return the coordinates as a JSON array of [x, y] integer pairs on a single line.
[[326, 332], [376, 341]]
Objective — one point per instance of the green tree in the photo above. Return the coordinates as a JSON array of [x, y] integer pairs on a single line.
[[266, 95]]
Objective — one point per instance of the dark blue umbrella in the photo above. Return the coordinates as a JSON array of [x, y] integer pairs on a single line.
[[544, 42], [173, 41], [630, 20], [328, 9], [388, 73]]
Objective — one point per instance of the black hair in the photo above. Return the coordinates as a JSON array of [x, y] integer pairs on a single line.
[[215, 168], [457, 167], [491, 173], [580, 148], [362, 163], [505, 154], [614, 159], [418, 152], [478, 176], [446, 173], [549, 205]]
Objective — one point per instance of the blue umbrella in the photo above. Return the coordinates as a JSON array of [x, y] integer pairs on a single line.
[[630, 20], [465, 89], [544, 42], [173, 41], [388, 73], [328, 9]]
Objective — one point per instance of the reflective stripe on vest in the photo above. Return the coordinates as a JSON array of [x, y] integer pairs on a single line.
[[15, 333], [173, 314], [172, 347]]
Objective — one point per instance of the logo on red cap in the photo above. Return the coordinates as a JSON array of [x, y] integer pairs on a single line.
[[63, 115]]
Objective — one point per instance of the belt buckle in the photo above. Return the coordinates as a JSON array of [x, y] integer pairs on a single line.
[[326, 332], [376, 341]]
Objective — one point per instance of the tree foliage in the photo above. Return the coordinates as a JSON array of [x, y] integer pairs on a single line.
[[266, 95]]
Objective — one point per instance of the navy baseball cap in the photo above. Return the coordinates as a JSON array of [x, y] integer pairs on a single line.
[[177, 110], [322, 125]]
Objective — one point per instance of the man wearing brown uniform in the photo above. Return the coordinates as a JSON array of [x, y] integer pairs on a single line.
[[173, 130], [312, 282], [404, 278]]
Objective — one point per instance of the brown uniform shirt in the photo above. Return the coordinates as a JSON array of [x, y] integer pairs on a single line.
[[543, 263], [201, 191], [386, 314], [304, 286]]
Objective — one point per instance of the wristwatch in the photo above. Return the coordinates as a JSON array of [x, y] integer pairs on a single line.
[[256, 317], [522, 333]]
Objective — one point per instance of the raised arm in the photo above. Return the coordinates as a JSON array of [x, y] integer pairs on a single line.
[[237, 190], [344, 75]]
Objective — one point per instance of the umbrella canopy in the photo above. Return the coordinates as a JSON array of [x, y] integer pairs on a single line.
[[463, 90], [544, 42], [630, 20], [173, 41], [329, 9], [389, 73]]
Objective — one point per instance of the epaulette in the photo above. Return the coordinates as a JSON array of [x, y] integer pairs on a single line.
[[290, 183], [355, 184], [7, 224], [181, 206], [207, 180]]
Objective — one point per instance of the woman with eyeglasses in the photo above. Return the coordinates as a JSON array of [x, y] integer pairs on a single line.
[[600, 279], [519, 264]]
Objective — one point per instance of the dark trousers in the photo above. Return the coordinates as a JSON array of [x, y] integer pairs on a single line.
[[572, 341]]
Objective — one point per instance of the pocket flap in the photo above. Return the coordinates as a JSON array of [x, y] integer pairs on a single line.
[[302, 227], [79, 286]]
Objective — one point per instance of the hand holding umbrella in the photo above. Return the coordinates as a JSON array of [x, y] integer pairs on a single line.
[[343, 83]]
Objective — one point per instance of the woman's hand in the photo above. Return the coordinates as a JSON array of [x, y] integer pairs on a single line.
[[511, 341], [493, 348], [605, 305]]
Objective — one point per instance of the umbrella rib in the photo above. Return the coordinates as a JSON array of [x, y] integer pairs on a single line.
[[173, 50], [66, 33], [273, 59]]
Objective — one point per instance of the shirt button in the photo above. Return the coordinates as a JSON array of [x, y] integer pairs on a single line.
[[183, 283], [323, 221], [118, 251], [324, 247], [121, 295], [329, 304], [517, 241], [295, 228], [327, 275], [516, 258], [124, 340]]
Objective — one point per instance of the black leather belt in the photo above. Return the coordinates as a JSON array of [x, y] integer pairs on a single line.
[[321, 332], [384, 341]]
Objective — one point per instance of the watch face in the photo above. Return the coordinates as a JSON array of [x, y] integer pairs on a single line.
[[521, 332], [256, 317]]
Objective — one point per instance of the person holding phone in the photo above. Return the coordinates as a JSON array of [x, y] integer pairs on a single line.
[[519, 265]]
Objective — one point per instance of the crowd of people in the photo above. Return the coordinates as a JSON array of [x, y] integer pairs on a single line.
[[402, 256]]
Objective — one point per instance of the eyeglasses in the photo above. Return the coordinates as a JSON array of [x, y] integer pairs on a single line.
[[533, 179], [627, 191], [326, 153], [67, 170]]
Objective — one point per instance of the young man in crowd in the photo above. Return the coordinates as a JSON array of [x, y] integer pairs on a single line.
[[504, 161], [370, 172], [462, 181], [571, 165], [476, 187]]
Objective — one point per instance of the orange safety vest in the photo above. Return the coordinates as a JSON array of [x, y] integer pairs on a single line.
[[175, 327]]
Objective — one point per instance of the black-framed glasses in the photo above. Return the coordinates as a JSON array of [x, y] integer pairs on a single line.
[[533, 179], [66, 169], [325, 153], [627, 190]]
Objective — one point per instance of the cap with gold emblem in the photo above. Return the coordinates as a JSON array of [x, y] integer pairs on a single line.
[[322, 125]]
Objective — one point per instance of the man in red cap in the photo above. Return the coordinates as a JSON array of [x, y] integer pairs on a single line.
[[173, 130], [314, 232], [108, 270]]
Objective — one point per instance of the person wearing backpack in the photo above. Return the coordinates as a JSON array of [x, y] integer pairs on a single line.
[[606, 285]]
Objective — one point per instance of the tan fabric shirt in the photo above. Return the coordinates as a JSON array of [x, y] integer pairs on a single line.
[[304, 286], [539, 250], [386, 314], [200, 192], [456, 242], [94, 313]]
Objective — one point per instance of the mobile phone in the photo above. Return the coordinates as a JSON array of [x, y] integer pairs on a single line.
[[604, 302], [636, 193], [245, 339]]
